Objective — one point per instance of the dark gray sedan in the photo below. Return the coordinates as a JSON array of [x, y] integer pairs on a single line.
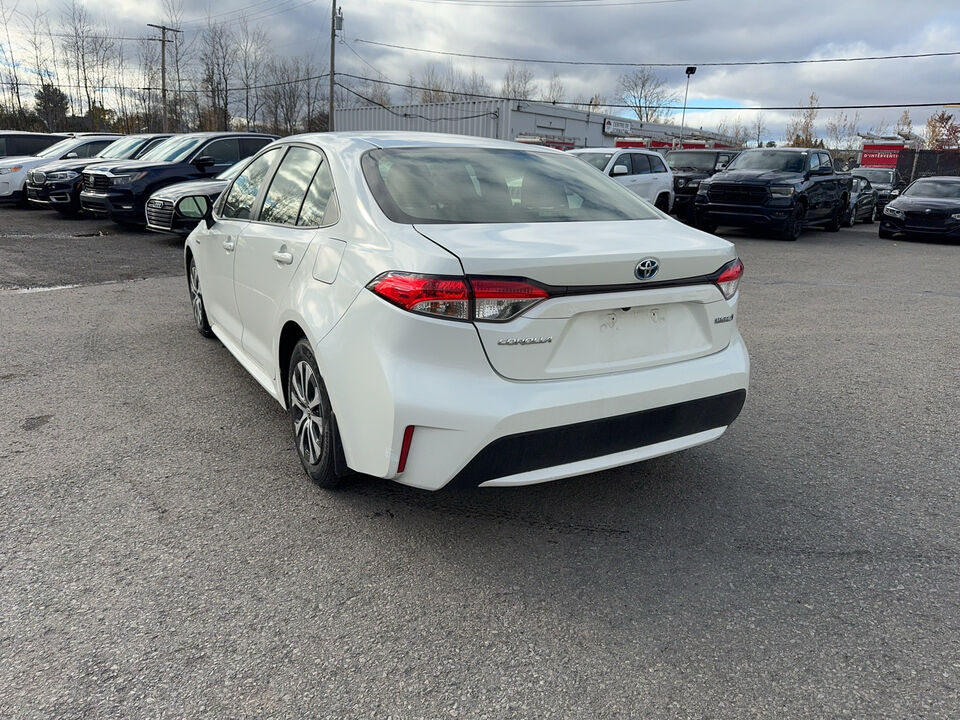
[[862, 203]]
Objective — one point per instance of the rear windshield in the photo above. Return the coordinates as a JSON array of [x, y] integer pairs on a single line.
[[789, 161], [480, 185], [946, 189]]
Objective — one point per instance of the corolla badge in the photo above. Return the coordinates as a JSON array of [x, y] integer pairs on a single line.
[[646, 268]]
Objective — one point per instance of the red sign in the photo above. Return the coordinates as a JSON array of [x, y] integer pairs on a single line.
[[884, 156]]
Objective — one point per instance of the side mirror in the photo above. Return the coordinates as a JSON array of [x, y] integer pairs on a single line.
[[71, 156], [204, 161], [619, 170], [196, 207], [894, 193]]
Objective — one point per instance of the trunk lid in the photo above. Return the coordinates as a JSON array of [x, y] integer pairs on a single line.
[[602, 318]]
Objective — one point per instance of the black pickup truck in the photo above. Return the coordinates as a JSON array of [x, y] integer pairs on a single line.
[[781, 189], [690, 168]]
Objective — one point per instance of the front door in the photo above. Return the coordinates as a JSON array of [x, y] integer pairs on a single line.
[[272, 248], [217, 246]]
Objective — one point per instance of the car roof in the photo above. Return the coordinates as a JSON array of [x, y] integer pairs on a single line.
[[33, 134], [613, 150], [940, 178], [784, 149], [215, 134], [397, 139]]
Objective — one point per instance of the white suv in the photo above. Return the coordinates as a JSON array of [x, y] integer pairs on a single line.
[[445, 310], [641, 171]]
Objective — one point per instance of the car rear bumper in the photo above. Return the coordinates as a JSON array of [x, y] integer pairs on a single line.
[[387, 370]]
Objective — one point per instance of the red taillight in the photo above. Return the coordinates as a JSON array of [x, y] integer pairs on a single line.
[[428, 294], [458, 298], [503, 299], [729, 278], [405, 448]]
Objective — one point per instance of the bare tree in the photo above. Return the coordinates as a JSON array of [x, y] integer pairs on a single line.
[[252, 46], [474, 85], [217, 56], [734, 129], [517, 83], [647, 94], [801, 131], [435, 85], [555, 90], [842, 130], [904, 126], [9, 60], [410, 93], [759, 128]]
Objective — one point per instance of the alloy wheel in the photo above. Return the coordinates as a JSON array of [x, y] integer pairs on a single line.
[[196, 298], [307, 412]]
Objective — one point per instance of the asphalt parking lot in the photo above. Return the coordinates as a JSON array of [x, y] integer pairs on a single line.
[[163, 555]]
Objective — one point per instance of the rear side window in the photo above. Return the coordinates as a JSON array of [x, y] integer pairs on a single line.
[[251, 146], [243, 193], [318, 207], [656, 164], [825, 161], [289, 186], [641, 164], [223, 152]]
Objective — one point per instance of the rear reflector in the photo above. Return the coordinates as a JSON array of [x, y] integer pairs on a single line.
[[729, 278], [405, 448]]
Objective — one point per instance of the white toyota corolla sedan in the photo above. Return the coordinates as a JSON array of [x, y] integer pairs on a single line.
[[454, 311]]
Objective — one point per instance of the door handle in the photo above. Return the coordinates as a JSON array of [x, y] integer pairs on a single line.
[[284, 258], [229, 244]]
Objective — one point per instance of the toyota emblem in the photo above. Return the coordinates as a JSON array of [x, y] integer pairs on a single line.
[[646, 268]]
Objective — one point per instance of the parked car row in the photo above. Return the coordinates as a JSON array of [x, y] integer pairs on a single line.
[[115, 176]]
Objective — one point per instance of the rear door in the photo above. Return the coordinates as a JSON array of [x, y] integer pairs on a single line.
[[272, 247]]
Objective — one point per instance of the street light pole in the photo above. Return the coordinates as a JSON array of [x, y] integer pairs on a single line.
[[683, 117]]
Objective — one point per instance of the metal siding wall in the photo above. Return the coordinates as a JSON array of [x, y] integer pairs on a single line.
[[454, 117]]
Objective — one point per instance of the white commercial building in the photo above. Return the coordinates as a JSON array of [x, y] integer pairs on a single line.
[[526, 121]]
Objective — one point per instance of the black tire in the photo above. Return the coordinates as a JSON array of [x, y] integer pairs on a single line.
[[196, 300], [833, 224], [850, 219], [884, 234], [310, 417], [663, 203], [794, 225], [869, 219]]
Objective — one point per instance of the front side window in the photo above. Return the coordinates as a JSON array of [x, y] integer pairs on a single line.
[[92, 148], [243, 193], [223, 152], [58, 150], [814, 161], [289, 186], [486, 185]]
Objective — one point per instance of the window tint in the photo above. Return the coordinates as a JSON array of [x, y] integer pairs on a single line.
[[251, 146], [289, 186], [825, 161], [3, 147], [814, 161], [223, 152], [92, 148], [484, 185], [641, 164], [243, 193], [318, 209], [656, 164], [624, 160]]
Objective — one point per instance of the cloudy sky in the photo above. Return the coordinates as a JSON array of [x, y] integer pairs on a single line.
[[669, 31]]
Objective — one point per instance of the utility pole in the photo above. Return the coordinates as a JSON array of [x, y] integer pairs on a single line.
[[336, 23], [163, 68]]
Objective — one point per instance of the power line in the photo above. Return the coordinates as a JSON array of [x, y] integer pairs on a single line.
[[878, 106], [659, 64], [258, 14]]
